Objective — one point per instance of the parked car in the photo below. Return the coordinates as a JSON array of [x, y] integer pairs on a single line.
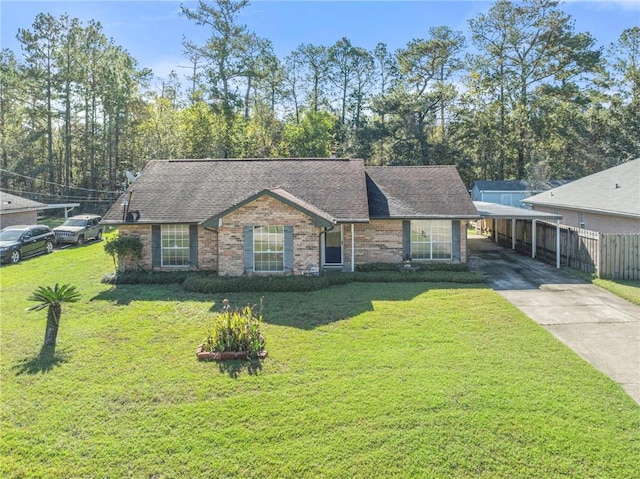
[[21, 241], [79, 229]]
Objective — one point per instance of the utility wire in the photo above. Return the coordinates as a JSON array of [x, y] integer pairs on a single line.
[[36, 194], [59, 184]]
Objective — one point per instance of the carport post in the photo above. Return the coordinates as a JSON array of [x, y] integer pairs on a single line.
[[558, 244], [513, 233], [533, 238]]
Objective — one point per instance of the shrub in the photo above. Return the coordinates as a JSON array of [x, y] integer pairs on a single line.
[[419, 276], [123, 249], [210, 283], [237, 329], [301, 284], [148, 277], [370, 267]]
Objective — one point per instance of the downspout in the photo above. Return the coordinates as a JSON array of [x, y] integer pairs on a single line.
[[353, 249]]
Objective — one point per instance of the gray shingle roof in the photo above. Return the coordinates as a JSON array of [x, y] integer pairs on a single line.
[[417, 192], [517, 185], [192, 191], [11, 203], [614, 191]]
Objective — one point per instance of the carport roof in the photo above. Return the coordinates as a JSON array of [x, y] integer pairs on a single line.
[[495, 210]]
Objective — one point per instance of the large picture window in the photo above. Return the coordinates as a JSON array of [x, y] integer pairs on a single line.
[[431, 239], [268, 248], [175, 245]]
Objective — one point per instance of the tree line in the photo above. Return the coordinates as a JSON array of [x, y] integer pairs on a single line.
[[522, 96]]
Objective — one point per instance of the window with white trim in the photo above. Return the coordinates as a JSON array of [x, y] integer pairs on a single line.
[[581, 220], [431, 239], [175, 245], [268, 248]]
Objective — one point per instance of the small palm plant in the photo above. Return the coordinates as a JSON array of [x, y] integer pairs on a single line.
[[53, 298]]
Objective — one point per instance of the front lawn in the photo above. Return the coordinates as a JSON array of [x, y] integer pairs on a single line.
[[362, 380]]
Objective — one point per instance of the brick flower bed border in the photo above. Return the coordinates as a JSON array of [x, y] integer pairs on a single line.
[[218, 356]]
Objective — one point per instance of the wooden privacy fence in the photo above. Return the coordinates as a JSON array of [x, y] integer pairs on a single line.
[[608, 255], [619, 256]]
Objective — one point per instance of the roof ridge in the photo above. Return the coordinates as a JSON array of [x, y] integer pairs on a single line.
[[221, 160], [410, 166]]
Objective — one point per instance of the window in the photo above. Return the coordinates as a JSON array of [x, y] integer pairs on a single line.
[[431, 239], [581, 219], [175, 245], [268, 248]]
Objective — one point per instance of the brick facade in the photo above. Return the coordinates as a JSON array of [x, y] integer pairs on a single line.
[[379, 241], [144, 233], [262, 212], [222, 250]]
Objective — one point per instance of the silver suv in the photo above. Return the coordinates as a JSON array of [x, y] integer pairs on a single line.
[[79, 229]]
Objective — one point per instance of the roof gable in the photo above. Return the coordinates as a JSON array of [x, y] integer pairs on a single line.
[[417, 192], [320, 217], [613, 191]]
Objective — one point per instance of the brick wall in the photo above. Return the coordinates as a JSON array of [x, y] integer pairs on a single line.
[[144, 233], [262, 212], [463, 241], [379, 241], [207, 247]]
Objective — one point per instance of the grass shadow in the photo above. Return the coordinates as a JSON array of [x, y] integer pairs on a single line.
[[46, 360], [122, 295], [305, 311], [235, 367]]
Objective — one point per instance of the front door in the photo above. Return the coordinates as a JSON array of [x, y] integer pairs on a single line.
[[333, 247]]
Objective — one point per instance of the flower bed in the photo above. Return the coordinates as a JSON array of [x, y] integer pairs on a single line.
[[203, 355], [234, 334]]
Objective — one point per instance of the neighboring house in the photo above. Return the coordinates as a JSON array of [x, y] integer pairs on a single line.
[[510, 192], [245, 216], [16, 210], [606, 202]]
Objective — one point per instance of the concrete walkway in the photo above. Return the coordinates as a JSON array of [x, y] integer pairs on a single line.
[[601, 327]]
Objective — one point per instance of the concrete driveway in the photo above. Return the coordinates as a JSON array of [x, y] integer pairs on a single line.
[[601, 327]]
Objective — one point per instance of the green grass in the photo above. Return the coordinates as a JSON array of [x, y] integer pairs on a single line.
[[625, 288], [362, 380]]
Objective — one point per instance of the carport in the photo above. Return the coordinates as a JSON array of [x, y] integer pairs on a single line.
[[495, 211]]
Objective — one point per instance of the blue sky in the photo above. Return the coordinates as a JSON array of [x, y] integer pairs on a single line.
[[152, 30]]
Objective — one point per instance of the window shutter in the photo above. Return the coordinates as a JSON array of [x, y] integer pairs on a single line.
[[288, 248], [406, 238], [156, 241], [247, 239], [193, 245], [455, 240]]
